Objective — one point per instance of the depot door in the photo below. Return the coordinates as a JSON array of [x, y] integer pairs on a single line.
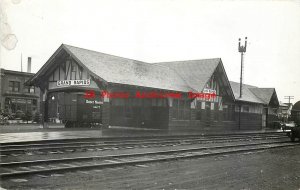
[[264, 118], [208, 114]]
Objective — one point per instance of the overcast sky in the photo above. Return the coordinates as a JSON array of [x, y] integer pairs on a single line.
[[162, 30]]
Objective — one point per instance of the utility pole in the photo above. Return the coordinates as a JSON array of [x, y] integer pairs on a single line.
[[242, 50], [290, 98]]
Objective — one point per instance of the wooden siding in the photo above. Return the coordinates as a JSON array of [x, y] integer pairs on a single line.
[[64, 72]]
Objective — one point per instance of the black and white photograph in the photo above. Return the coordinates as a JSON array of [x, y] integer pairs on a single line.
[[150, 94]]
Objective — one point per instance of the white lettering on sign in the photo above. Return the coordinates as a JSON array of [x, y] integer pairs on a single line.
[[89, 101], [93, 102], [98, 102], [209, 91], [85, 82], [212, 94]]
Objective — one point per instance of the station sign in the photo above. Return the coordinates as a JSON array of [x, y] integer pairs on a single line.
[[93, 102], [209, 91], [85, 82], [211, 97]]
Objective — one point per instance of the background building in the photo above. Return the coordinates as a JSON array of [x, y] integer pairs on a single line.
[[15, 95], [284, 111]]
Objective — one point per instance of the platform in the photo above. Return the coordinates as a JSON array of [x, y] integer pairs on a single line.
[[23, 133]]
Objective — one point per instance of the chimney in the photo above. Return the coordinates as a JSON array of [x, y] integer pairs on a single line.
[[29, 65]]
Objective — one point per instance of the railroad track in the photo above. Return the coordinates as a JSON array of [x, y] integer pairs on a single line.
[[63, 147], [16, 169]]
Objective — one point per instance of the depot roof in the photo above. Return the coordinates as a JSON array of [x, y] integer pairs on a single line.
[[182, 76], [255, 94], [195, 73], [114, 69]]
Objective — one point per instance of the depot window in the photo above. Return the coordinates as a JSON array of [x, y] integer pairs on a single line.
[[73, 71], [245, 108]]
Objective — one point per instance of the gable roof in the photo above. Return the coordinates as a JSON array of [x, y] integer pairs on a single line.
[[195, 73], [114, 69], [254, 94], [265, 94], [181, 76], [247, 94]]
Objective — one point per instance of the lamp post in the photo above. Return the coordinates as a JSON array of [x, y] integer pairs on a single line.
[[242, 50]]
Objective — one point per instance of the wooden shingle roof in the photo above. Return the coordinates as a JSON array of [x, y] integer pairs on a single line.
[[265, 94], [195, 73], [181, 76], [114, 69], [247, 94], [253, 94]]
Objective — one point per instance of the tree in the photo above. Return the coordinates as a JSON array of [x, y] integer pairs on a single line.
[[27, 116]]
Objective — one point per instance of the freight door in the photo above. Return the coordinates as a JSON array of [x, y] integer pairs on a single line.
[[89, 110]]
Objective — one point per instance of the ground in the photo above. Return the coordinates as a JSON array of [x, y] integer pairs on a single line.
[[268, 169]]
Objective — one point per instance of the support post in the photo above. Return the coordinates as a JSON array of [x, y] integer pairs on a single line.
[[44, 109], [240, 110]]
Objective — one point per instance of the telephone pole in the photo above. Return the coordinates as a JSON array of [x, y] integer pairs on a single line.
[[242, 50], [290, 98]]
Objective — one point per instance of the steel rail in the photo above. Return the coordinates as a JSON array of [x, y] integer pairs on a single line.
[[138, 158], [124, 144]]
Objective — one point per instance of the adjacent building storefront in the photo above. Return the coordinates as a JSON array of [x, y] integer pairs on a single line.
[[17, 97]]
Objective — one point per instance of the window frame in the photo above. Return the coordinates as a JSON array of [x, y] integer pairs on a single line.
[[13, 85]]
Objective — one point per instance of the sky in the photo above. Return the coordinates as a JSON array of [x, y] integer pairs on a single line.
[[162, 30]]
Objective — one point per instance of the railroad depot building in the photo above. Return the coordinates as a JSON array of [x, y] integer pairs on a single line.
[[124, 92], [259, 106]]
